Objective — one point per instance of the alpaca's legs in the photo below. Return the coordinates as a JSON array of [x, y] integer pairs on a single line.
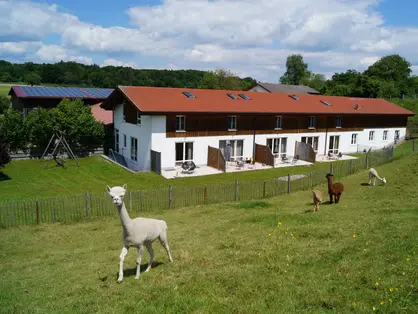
[[370, 179], [122, 257], [374, 181], [164, 243], [337, 198], [138, 261], [330, 198], [151, 256]]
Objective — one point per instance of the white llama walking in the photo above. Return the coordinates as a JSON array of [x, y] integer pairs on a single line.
[[138, 232], [373, 175]]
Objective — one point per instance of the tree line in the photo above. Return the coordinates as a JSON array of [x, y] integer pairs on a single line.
[[77, 74]]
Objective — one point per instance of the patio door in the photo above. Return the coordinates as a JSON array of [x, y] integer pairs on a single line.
[[184, 152], [232, 149], [334, 144], [311, 140], [278, 146]]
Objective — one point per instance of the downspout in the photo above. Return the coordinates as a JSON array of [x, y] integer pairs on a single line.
[[326, 135], [254, 138]]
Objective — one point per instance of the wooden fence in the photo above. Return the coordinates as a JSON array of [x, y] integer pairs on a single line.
[[80, 206], [264, 155], [216, 159]]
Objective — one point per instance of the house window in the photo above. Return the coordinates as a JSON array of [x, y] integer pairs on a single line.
[[371, 136], [385, 135], [338, 122], [311, 122], [124, 140], [396, 135], [232, 149], [184, 152], [278, 123], [134, 149], [232, 123], [180, 123], [117, 140], [278, 146], [138, 118], [334, 144], [354, 139], [311, 140]]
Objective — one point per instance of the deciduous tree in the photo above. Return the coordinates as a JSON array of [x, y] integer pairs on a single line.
[[296, 70]]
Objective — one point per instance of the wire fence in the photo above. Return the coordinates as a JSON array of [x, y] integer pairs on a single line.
[[80, 206]]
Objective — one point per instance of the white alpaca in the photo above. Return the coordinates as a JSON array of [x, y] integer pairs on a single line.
[[138, 232], [373, 175]]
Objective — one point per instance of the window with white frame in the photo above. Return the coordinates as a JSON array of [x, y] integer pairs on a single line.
[[134, 149], [138, 118], [180, 123], [397, 135], [278, 146], [338, 122], [311, 140], [334, 144], [311, 124], [354, 139], [371, 136], [124, 140], [232, 123], [184, 152], [278, 123], [117, 140], [385, 135], [232, 149]]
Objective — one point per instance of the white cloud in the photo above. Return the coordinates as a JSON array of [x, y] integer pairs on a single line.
[[332, 35], [119, 63], [54, 53]]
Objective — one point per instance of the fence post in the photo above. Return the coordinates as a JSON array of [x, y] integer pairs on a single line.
[[350, 166], [413, 145], [87, 203], [205, 195], [236, 189], [367, 160], [264, 189], [310, 180], [130, 201], [288, 183], [331, 167], [170, 197], [37, 212]]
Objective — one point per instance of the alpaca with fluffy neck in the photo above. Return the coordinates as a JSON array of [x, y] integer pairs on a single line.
[[317, 199], [334, 189], [373, 175], [138, 232]]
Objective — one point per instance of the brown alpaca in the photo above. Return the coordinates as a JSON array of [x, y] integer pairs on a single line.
[[317, 199], [334, 189]]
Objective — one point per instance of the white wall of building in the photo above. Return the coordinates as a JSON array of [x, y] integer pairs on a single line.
[[151, 135], [141, 132]]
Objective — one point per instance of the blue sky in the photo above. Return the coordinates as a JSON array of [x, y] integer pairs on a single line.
[[251, 40]]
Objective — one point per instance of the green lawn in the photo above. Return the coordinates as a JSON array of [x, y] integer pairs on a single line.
[[27, 179], [4, 90], [354, 257]]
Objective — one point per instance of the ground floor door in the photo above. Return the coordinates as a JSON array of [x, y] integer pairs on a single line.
[[311, 140], [334, 144], [184, 152], [278, 146], [232, 149]]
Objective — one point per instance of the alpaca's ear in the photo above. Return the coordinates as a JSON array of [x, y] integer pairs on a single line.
[[125, 187], [108, 188]]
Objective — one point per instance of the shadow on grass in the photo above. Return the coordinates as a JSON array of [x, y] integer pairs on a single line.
[[130, 272], [4, 177], [365, 184]]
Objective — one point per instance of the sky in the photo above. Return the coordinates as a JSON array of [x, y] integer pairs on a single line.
[[247, 37]]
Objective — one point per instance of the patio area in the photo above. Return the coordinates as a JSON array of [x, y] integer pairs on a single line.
[[326, 158]]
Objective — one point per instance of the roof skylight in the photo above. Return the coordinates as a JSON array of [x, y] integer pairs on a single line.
[[189, 95], [294, 97], [243, 96], [233, 96], [326, 103]]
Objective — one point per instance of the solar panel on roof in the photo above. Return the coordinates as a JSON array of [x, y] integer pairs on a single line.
[[65, 92]]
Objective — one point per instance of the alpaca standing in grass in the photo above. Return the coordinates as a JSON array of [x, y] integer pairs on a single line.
[[373, 175], [317, 199], [138, 232], [334, 189]]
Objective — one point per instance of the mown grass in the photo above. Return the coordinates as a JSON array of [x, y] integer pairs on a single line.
[[268, 256], [4, 90]]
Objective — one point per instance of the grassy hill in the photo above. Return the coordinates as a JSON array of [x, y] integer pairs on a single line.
[[269, 256]]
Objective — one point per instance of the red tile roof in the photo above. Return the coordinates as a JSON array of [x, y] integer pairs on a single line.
[[102, 115], [159, 100]]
